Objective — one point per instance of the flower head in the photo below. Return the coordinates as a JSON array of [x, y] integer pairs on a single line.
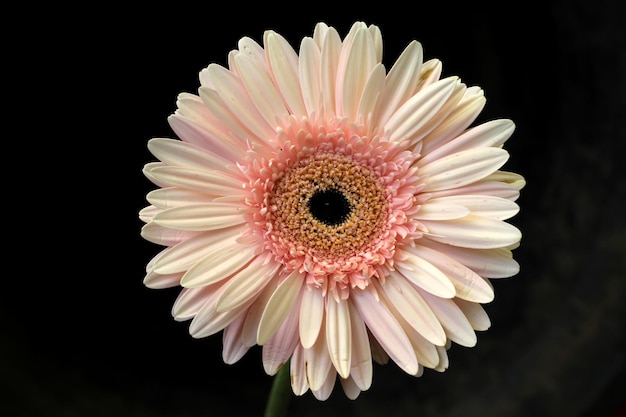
[[330, 210]]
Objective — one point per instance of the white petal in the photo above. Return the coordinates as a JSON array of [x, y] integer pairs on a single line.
[[247, 283], [386, 330], [154, 233], [425, 275], [490, 134], [261, 89], [331, 50], [233, 348], [283, 62], [235, 97], [311, 316], [401, 81], [279, 348], [434, 210], [202, 217], [317, 363], [371, 94], [209, 321], [361, 370], [224, 261], [360, 62], [251, 325], [309, 70], [459, 119], [411, 306], [190, 301], [181, 257], [160, 281], [231, 122], [483, 187], [462, 168], [212, 182], [183, 154], [429, 73], [454, 322], [223, 145], [443, 359], [279, 305], [475, 313], [488, 263], [339, 335], [515, 180], [299, 384], [326, 389], [468, 284], [418, 111], [350, 388], [473, 232], [169, 197], [481, 205]]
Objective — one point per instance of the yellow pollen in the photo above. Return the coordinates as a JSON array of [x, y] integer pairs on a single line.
[[349, 220]]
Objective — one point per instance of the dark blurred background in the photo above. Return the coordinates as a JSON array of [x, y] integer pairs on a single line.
[[81, 335]]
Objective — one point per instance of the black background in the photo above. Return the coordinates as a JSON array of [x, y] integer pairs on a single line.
[[89, 85]]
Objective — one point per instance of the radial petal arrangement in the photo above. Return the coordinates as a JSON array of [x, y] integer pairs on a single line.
[[330, 210]]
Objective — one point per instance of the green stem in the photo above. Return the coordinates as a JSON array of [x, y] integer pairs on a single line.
[[280, 394]]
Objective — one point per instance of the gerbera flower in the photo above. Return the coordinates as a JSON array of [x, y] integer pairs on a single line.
[[330, 210]]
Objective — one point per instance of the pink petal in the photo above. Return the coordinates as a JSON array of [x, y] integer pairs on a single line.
[[279, 306]]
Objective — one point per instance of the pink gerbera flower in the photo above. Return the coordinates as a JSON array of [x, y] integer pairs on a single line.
[[330, 210]]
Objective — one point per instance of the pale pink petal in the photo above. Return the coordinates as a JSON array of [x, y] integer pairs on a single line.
[[261, 89], [441, 210], [515, 180], [253, 317], [317, 363], [361, 369], [309, 71], [169, 197], [311, 316], [339, 335], [488, 263], [299, 384], [231, 122], [208, 321], [184, 255], [463, 114], [233, 347], [443, 359], [323, 393], [159, 281], [454, 322], [424, 274], [283, 62], [429, 73], [462, 168], [202, 217], [482, 187], [279, 348], [246, 284], [410, 305], [213, 182], [369, 99], [386, 330], [401, 81], [360, 62], [415, 113], [190, 301], [468, 284], [351, 389], [279, 306], [490, 134], [184, 154], [480, 205], [473, 232], [219, 264], [208, 136], [331, 50], [475, 313], [154, 233]]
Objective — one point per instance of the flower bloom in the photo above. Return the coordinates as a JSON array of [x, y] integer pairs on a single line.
[[332, 211]]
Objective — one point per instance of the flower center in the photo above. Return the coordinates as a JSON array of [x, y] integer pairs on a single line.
[[328, 205]]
